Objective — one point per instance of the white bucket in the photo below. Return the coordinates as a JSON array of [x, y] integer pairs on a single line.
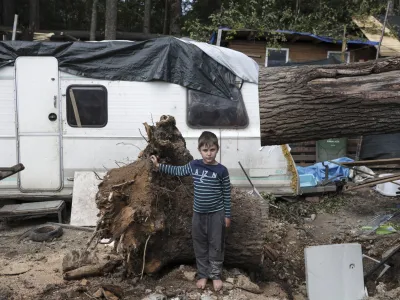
[[388, 188]]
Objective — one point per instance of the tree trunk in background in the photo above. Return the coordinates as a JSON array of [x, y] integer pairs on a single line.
[[147, 16], [93, 23], [8, 12], [111, 20], [165, 26], [175, 17], [33, 17], [38, 15], [319, 102], [391, 8]]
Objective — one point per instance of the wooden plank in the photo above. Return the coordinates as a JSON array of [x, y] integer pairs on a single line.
[[373, 162], [303, 150], [303, 144], [352, 149], [389, 167], [304, 157]]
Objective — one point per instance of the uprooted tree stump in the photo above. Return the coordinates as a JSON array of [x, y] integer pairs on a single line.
[[148, 214]]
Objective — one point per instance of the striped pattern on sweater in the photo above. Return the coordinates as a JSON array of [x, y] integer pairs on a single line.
[[212, 186]]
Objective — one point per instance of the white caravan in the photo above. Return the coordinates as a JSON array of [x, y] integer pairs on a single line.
[[56, 123]]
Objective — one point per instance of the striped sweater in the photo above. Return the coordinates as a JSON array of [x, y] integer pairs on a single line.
[[212, 187]]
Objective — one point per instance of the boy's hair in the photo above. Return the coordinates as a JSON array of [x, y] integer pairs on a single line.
[[209, 139]]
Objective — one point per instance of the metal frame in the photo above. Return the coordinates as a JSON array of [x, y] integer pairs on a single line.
[[279, 49], [340, 52]]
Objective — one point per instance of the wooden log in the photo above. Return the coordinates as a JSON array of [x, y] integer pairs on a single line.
[[91, 270], [319, 102], [376, 162]]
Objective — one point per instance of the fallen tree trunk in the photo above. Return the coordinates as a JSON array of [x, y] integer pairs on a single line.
[[319, 102], [148, 214]]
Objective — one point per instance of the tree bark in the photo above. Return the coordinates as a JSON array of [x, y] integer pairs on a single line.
[[38, 15], [175, 17], [93, 23], [111, 20], [8, 12], [149, 214], [165, 25], [147, 16], [33, 17], [319, 102]]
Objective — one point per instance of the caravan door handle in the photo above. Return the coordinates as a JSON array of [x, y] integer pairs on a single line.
[[52, 117]]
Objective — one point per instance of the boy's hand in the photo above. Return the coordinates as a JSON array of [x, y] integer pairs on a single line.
[[227, 222], [154, 160]]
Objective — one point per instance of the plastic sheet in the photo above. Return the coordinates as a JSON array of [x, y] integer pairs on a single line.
[[167, 59], [335, 171]]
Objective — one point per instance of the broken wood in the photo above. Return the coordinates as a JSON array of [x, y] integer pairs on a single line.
[[150, 219], [310, 103], [381, 263], [91, 270], [373, 182], [7, 172], [376, 162]]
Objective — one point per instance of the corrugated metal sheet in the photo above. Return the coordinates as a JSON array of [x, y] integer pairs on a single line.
[[372, 29]]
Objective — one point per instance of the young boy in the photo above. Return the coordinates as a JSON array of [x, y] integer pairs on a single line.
[[212, 208]]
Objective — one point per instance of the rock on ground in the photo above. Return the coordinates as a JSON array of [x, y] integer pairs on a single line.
[[244, 283]]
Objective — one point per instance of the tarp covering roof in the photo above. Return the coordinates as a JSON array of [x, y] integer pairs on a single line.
[[166, 59], [317, 37], [328, 39]]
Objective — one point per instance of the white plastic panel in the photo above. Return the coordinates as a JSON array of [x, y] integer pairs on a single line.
[[39, 137], [42, 168], [335, 272]]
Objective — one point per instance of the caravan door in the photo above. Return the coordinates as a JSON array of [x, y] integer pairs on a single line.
[[39, 143]]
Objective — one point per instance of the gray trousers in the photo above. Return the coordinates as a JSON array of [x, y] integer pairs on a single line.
[[208, 234]]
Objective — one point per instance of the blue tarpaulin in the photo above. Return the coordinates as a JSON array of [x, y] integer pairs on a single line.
[[328, 39], [318, 170], [325, 39]]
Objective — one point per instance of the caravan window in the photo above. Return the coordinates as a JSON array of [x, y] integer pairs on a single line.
[[276, 57], [206, 110], [87, 106]]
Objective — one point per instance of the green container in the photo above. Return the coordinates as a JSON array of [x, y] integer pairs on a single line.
[[331, 149]]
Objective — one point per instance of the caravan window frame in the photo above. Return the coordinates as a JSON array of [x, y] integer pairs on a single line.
[[216, 126], [276, 49], [340, 52], [68, 100]]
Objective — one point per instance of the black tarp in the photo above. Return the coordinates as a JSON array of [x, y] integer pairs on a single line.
[[166, 59], [381, 146]]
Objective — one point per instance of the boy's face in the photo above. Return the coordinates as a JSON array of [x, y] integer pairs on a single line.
[[208, 153]]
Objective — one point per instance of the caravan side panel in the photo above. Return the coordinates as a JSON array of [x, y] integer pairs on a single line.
[[8, 141], [120, 141]]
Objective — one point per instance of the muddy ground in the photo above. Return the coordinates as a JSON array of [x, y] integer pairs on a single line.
[[332, 219]]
